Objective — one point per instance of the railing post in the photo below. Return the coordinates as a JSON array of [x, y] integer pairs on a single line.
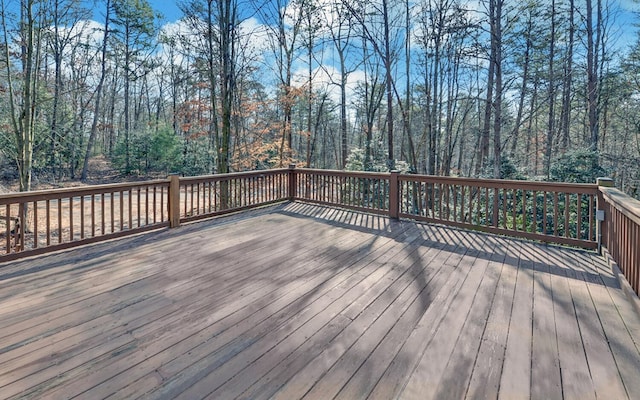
[[293, 182], [174, 201], [394, 195], [602, 232], [21, 227]]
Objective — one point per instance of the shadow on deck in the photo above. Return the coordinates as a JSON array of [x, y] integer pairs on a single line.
[[301, 301]]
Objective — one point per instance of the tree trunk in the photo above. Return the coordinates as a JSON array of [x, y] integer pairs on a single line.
[[592, 78], [568, 76], [552, 92], [497, 120], [523, 87], [389, 84], [98, 94], [483, 150]]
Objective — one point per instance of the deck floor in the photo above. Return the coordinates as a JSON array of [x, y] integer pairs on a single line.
[[300, 301]]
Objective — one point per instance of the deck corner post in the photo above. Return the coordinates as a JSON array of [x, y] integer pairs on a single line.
[[394, 195], [605, 182], [293, 182], [601, 212], [174, 201]]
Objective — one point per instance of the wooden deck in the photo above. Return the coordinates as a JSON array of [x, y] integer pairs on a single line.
[[299, 301]]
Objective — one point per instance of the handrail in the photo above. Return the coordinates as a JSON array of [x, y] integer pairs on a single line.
[[628, 206], [621, 232], [208, 196], [549, 212], [561, 213], [71, 192], [361, 191], [507, 184], [48, 220]]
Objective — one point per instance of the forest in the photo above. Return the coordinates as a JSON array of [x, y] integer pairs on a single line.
[[534, 89]]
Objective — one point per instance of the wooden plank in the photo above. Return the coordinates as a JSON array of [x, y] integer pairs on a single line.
[[66, 334], [210, 376], [285, 370], [515, 382], [145, 349], [47, 277], [288, 366], [605, 377], [133, 291], [377, 361], [303, 380], [70, 311], [430, 370], [391, 286], [485, 377], [395, 376], [228, 336], [545, 364], [48, 281], [345, 304], [575, 375], [455, 375], [408, 302], [621, 344]]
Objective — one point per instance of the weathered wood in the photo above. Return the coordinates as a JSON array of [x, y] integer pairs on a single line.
[[575, 375], [393, 381], [303, 301], [138, 332], [457, 372], [605, 377], [430, 370], [515, 382], [545, 365], [623, 347], [487, 370]]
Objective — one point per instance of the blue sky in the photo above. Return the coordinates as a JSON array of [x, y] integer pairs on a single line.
[[624, 28], [169, 9]]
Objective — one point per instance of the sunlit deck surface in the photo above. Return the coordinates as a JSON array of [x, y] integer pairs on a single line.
[[300, 301]]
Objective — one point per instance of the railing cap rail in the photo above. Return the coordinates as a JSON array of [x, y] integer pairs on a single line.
[[627, 205], [243, 174], [362, 174], [588, 188], [76, 191]]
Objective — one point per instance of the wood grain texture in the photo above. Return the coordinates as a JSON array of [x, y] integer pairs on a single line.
[[303, 301]]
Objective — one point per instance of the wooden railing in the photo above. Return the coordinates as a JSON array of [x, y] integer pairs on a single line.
[[362, 191], [549, 212], [208, 196], [43, 221], [621, 232], [36, 222]]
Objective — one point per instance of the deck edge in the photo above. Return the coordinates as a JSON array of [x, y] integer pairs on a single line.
[[622, 280]]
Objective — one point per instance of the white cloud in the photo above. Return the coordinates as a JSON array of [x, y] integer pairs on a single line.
[[326, 78]]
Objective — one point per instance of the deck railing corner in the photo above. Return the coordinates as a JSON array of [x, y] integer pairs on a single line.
[[620, 229]]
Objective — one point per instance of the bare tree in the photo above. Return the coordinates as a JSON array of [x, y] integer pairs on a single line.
[[98, 93], [284, 21], [134, 32], [23, 94], [551, 90], [342, 31]]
